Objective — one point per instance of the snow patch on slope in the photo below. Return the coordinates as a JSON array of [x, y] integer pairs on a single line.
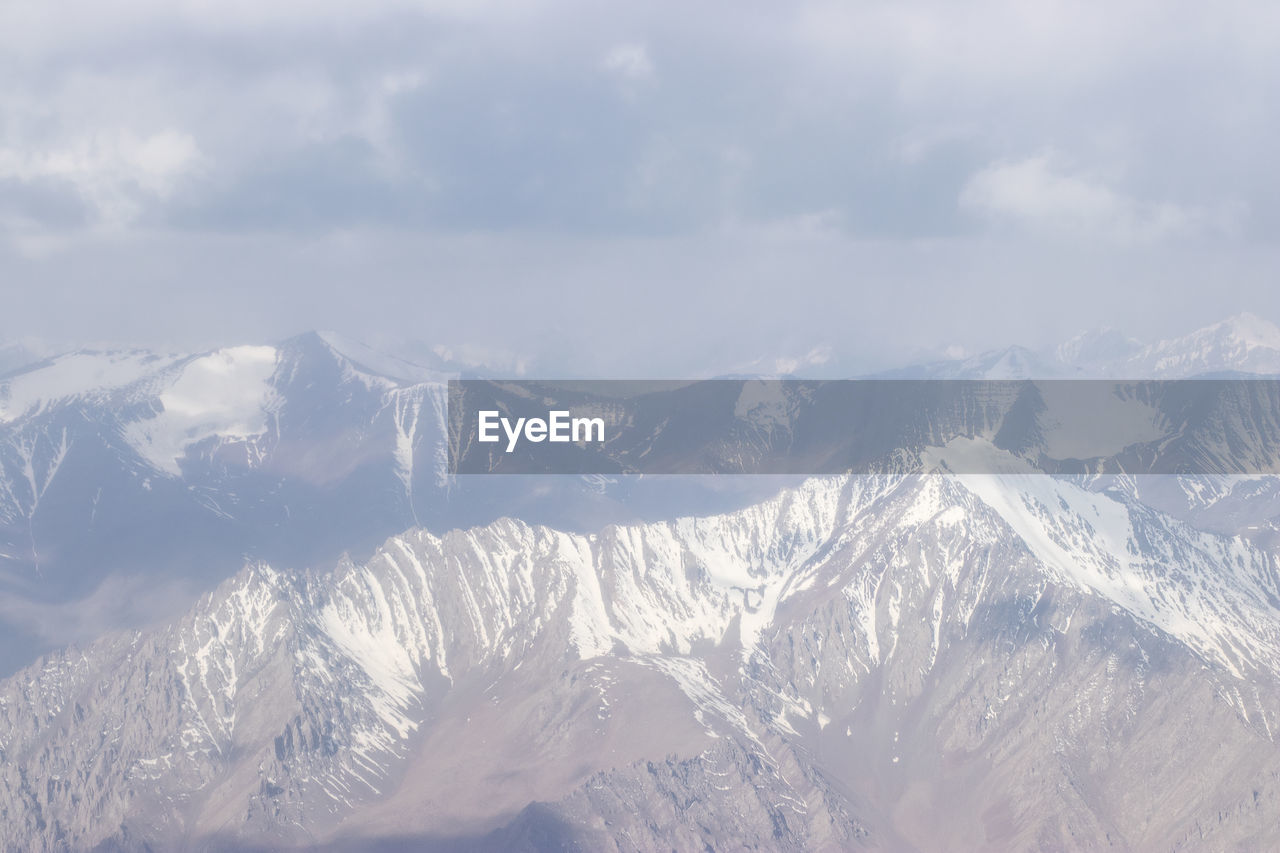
[[227, 394], [1189, 586], [79, 374]]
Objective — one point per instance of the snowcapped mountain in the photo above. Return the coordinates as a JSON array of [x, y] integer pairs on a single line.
[[922, 661], [112, 463], [1100, 347], [900, 663], [1010, 363], [1244, 344], [1240, 344], [130, 481]]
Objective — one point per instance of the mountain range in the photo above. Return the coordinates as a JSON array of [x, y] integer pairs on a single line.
[[292, 629], [1241, 344]]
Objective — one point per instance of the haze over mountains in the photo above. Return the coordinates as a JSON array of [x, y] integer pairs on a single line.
[[1240, 344], [1009, 660]]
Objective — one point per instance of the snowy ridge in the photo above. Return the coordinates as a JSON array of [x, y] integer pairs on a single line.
[[80, 375], [230, 395], [317, 683], [1244, 342], [376, 368], [229, 442], [660, 590], [1214, 594], [1045, 630], [1241, 344]]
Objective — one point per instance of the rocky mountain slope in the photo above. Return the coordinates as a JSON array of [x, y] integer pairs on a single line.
[[1003, 661], [132, 481], [1006, 660]]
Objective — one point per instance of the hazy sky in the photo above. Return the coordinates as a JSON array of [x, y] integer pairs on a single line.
[[633, 188]]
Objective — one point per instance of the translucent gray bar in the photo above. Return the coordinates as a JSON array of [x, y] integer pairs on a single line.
[[784, 426]]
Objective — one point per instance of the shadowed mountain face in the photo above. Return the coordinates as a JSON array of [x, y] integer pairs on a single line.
[[925, 660]]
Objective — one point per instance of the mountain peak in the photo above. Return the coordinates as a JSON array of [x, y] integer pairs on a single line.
[[1096, 347], [1242, 343], [366, 362], [1248, 329]]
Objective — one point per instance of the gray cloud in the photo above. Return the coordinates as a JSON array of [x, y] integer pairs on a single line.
[[567, 163]]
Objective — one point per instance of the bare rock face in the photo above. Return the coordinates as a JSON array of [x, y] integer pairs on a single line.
[[1010, 662]]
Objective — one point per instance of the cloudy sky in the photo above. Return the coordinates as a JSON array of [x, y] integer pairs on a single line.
[[641, 188]]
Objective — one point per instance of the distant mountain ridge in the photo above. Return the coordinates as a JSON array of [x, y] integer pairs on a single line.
[[1243, 344]]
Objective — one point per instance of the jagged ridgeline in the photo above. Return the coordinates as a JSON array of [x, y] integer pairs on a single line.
[[1023, 616], [132, 481], [908, 663]]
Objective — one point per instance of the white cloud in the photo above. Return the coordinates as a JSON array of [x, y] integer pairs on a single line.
[[484, 358], [801, 161], [631, 62], [115, 173], [1041, 195]]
